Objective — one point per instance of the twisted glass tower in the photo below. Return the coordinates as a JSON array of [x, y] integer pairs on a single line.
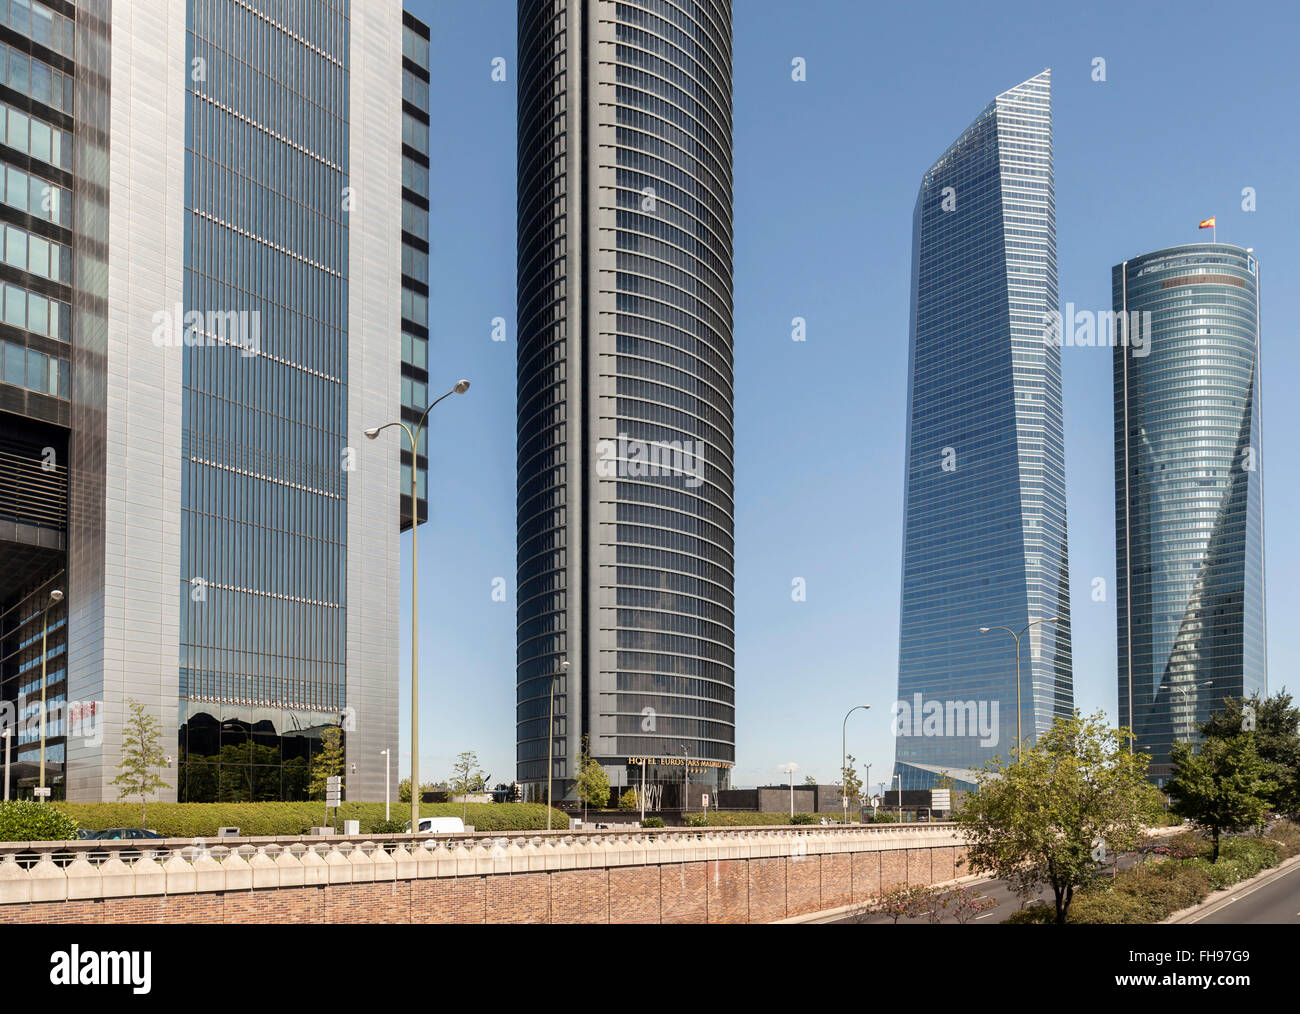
[[1188, 491], [625, 496], [984, 539]]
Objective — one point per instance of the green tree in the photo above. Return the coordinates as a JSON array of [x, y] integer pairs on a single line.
[[851, 786], [810, 779], [592, 784], [1041, 821], [142, 757], [466, 777], [327, 762], [628, 800], [1223, 786], [1275, 722]]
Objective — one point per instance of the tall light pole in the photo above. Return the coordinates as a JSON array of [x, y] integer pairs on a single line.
[[1031, 623], [387, 805], [898, 780], [414, 437], [5, 733], [791, 770], [686, 780], [1184, 691], [550, 741], [844, 758], [55, 598]]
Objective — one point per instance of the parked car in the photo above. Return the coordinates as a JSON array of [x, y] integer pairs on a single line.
[[86, 834], [125, 834], [440, 825]]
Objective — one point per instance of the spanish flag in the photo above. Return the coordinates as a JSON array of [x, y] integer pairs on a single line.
[[1207, 224]]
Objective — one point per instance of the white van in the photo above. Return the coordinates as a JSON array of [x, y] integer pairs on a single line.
[[440, 825]]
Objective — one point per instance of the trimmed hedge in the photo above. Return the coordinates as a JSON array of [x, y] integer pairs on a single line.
[[25, 820], [201, 820], [728, 818]]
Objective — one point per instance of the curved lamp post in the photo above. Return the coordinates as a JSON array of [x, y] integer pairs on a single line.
[[414, 437], [55, 598], [844, 758], [1031, 623]]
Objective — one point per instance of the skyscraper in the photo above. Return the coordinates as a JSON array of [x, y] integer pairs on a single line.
[[625, 495], [1189, 512], [984, 528], [236, 304]]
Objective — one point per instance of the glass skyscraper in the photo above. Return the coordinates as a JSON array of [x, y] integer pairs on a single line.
[[1188, 491], [229, 322], [625, 423], [984, 532]]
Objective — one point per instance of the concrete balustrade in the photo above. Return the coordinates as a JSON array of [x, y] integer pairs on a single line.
[[85, 871]]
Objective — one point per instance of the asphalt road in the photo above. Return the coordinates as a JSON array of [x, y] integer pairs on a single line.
[[1277, 901]]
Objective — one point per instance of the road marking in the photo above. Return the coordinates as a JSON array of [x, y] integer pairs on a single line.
[[990, 915]]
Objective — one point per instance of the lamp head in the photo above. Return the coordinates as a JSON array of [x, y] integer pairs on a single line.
[[985, 630], [564, 666], [372, 433], [56, 596], [461, 386]]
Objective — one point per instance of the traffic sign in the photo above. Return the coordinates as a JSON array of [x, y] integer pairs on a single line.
[[42, 790]]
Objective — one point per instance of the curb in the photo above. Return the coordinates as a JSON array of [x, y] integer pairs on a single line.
[[1222, 899]]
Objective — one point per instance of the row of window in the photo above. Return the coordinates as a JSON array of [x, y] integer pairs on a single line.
[[35, 371], [33, 136], [29, 252], [36, 196], [40, 24], [36, 78], [36, 312]]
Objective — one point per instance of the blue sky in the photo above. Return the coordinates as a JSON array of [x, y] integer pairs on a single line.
[[1198, 103]]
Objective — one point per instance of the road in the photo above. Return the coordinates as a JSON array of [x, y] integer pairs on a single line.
[[1277, 901]]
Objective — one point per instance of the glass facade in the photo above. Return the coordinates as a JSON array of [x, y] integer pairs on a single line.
[[1188, 491], [36, 218], [625, 407], [262, 593], [984, 538], [415, 258]]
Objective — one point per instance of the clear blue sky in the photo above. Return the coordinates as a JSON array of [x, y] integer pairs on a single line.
[[1199, 101]]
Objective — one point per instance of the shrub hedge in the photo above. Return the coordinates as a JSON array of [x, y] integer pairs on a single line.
[[25, 820], [201, 820], [715, 818]]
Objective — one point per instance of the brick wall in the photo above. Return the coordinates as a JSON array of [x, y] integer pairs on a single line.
[[722, 891]]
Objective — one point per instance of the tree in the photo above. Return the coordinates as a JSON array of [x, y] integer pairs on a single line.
[[810, 779], [1041, 821], [851, 786], [592, 785], [142, 757], [466, 777], [629, 800], [326, 762], [1223, 786], [1275, 723]]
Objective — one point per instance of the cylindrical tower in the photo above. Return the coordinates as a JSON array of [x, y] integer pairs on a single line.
[[625, 439]]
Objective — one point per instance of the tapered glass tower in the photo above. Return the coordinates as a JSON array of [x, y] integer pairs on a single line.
[[984, 542], [625, 498], [1188, 491]]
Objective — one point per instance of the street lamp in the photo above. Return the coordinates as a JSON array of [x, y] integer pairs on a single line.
[[686, 780], [461, 387], [985, 630], [55, 598], [5, 733], [550, 742], [844, 758], [791, 770], [1185, 690], [385, 753], [899, 780]]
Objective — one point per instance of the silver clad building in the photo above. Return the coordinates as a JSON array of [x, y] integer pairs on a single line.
[[625, 474], [237, 307], [1189, 495]]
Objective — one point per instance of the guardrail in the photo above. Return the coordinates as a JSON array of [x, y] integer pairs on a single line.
[[77, 870]]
